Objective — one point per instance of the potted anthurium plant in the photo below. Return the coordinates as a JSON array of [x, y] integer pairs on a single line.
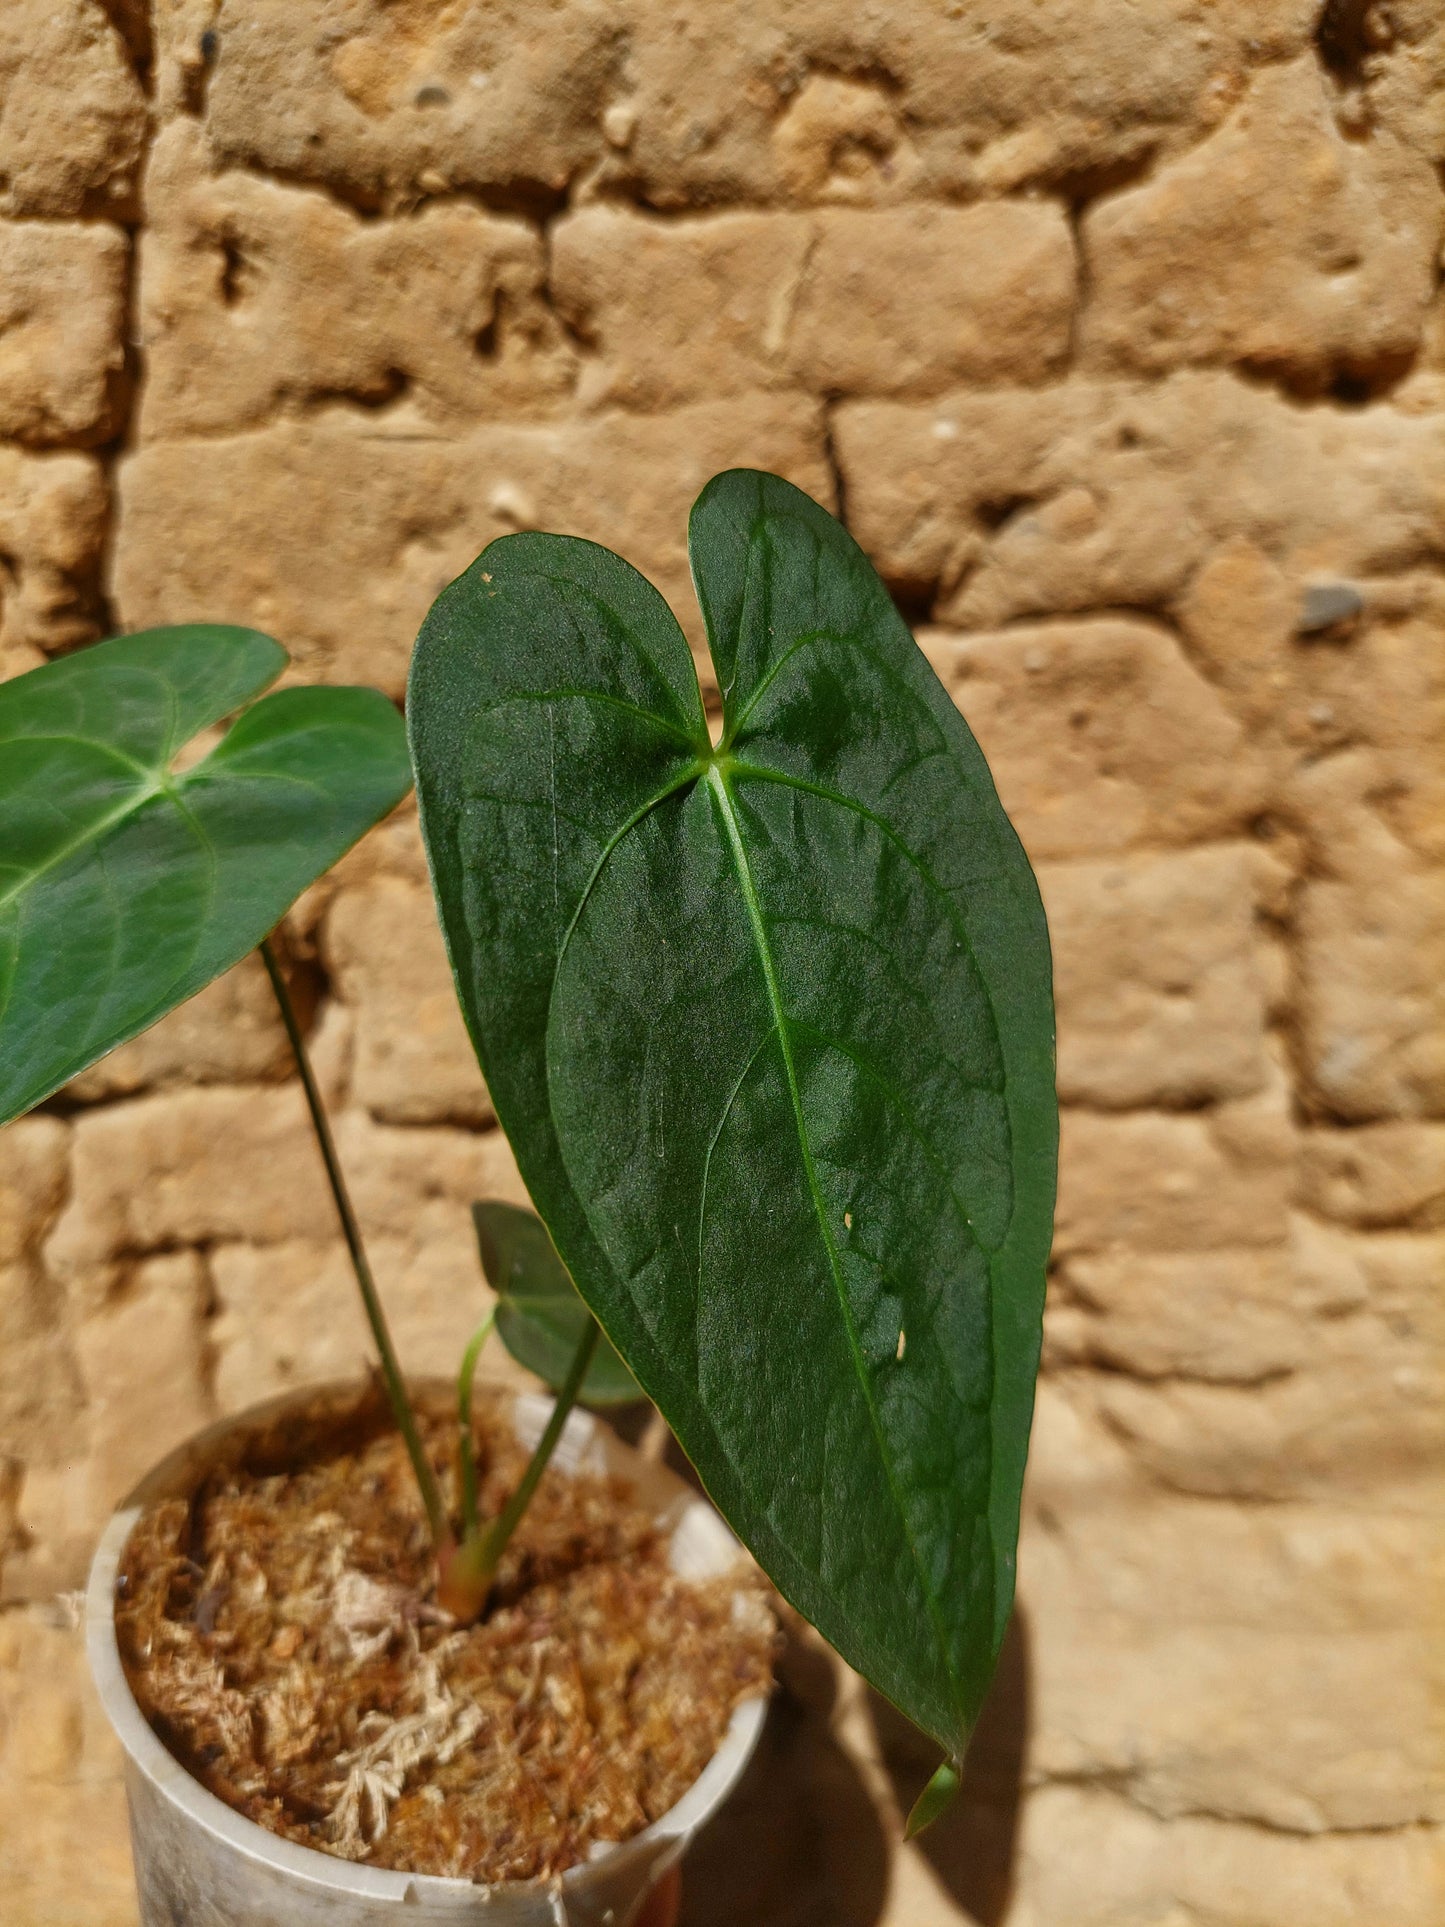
[[767, 1018]]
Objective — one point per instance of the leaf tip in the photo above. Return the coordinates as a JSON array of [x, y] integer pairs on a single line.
[[936, 1798]]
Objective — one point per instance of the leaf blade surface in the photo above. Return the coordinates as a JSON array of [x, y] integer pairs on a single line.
[[777, 1066], [541, 1318], [127, 885]]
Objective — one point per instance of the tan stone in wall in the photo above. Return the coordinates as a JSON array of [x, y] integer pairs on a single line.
[[912, 300], [1376, 1174], [186, 1167], [32, 1183], [259, 298], [275, 529], [686, 103], [1141, 1868], [62, 306], [40, 1391], [52, 524], [63, 1860], [994, 304], [1351, 1744], [414, 1062], [1230, 1316], [1404, 80], [1278, 243], [1098, 494], [288, 1314], [1101, 735], [1152, 1181], [72, 113], [388, 101], [670, 309], [1159, 997], [1371, 933], [230, 1164], [1360, 1419], [143, 1373]]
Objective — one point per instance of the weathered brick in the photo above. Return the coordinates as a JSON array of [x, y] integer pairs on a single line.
[[1200, 1865], [1104, 494], [414, 1062], [677, 308], [72, 113], [1370, 934], [1156, 1181], [1404, 79], [287, 300], [842, 302], [685, 104], [142, 1368], [1177, 1721], [289, 1314], [1159, 993], [1376, 1175], [229, 1164], [1277, 243], [916, 300], [248, 528], [1101, 735], [64, 1850], [52, 526], [186, 1167], [1226, 1316], [34, 1155], [62, 310], [1361, 1420]]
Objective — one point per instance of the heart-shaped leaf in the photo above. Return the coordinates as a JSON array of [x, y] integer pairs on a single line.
[[126, 885], [540, 1317], [770, 1028]]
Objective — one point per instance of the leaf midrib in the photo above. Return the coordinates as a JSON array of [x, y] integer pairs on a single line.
[[717, 782]]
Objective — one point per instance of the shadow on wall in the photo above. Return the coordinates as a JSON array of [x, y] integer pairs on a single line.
[[972, 1848], [801, 1844]]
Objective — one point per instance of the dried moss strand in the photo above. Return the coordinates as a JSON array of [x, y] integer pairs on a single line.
[[351, 1231]]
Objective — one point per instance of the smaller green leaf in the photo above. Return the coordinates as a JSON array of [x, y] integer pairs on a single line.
[[540, 1317], [126, 883]]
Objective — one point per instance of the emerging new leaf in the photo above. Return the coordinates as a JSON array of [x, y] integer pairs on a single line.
[[540, 1318], [770, 1028], [127, 885]]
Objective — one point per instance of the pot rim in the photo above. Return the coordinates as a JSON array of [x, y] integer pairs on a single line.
[[656, 1846]]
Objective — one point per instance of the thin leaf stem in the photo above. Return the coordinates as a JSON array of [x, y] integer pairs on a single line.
[[497, 1534], [351, 1231], [471, 1523]]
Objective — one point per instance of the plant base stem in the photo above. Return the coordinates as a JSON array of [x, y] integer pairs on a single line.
[[351, 1231]]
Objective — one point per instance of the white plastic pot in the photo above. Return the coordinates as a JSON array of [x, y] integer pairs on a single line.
[[200, 1864]]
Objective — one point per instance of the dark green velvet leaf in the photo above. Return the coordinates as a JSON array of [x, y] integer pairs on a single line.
[[540, 1318], [125, 886], [770, 1028]]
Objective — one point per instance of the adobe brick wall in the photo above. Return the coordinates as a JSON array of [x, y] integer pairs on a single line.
[[1115, 333]]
